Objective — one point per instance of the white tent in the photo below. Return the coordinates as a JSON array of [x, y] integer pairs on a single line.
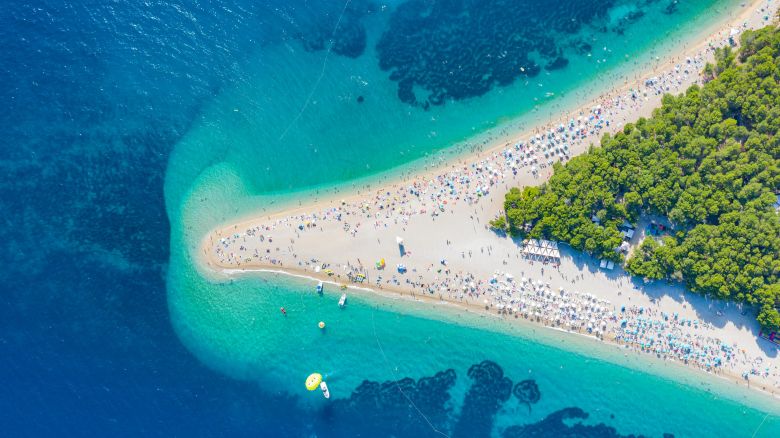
[[541, 250]]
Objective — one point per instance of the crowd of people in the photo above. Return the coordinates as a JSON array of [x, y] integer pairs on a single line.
[[644, 329]]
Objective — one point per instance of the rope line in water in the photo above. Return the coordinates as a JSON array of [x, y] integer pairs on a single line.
[[322, 72], [759, 426], [395, 382]]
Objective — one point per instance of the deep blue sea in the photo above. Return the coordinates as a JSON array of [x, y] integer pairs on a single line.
[[96, 96]]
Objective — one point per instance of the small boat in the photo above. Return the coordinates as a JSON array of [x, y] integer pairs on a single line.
[[319, 287], [324, 388], [342, 300]]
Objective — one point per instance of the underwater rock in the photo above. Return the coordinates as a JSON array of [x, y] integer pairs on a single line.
[[351, 41], [458, 49], [343, 33], [557, 64], [630, 18], [527, 392], [671, 8], [582, 48], [423, 408], [488, 392], [554, 426], [394, 408]]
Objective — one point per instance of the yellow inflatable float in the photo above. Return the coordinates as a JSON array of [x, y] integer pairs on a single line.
[[313, 381]]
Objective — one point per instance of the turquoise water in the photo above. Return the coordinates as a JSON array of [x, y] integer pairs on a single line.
[[294, 122], [295, 112]]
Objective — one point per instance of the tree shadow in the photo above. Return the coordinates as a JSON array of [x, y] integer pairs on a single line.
[[718, 313]]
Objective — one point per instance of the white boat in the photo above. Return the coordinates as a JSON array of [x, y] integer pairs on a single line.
[[324, 388], [343, 300], [319, 287]]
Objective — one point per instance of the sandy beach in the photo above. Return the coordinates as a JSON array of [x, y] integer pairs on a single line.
[[426, 236]]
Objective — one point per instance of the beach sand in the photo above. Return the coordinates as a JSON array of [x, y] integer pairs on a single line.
[[451, 256]]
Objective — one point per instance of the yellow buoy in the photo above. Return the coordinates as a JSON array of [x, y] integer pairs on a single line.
[[313, 381], [321, 324]]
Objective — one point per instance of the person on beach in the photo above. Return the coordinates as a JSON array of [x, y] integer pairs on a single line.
[[459, 188]]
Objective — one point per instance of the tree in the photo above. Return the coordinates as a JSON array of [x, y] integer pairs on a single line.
[[708, 160]]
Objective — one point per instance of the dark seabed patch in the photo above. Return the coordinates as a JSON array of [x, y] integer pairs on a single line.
[[555, 426], [391, 408], [527, 392], [342, 30], [488, 392], [95, 98], [456, 49], [423, 408]]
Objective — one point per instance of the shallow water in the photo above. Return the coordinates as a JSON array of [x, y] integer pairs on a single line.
[[308, 119], [327, 118], [100, 98]]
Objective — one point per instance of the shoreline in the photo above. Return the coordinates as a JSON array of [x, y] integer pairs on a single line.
[[460, 159], [499, 137], [479, 311]]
